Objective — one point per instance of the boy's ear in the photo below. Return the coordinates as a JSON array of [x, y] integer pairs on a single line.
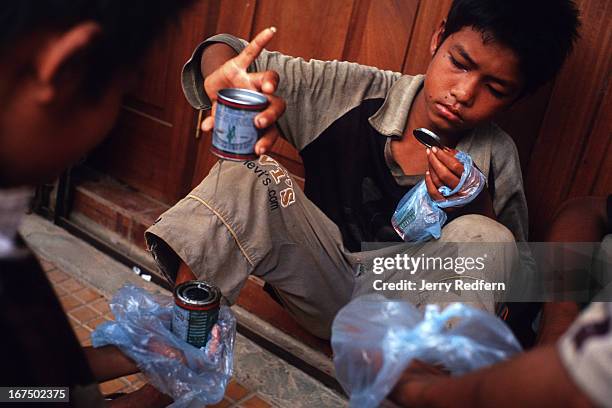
[[58, 52], [436, 38]]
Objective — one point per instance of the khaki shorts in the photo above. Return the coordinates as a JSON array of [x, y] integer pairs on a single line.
[[251, 218]]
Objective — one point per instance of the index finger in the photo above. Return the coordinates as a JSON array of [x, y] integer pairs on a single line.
[[252, 50], [449, 160]]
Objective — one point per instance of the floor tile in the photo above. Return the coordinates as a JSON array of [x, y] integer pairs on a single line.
[[255, 402], [101, 306], [93, 323], [87, 295], [236, 391], [224, 403], [56, 276], [84, 314], [71, 285], [70, 303]]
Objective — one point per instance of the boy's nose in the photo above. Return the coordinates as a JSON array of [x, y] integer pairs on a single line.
[[464, 91]]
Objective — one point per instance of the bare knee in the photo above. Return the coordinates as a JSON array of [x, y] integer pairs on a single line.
[[476, 228], [587, 212]]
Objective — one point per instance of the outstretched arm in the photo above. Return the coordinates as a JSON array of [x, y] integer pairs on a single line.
[[223, 68], [109, 362], [534, 379]]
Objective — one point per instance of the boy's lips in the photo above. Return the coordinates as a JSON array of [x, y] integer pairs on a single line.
[[448, 113]]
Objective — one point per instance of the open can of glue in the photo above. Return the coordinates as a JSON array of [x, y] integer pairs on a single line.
[[196, 310], [235, 134]]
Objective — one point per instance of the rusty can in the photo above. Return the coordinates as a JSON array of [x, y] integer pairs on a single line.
[[235, 134], [196, 310]]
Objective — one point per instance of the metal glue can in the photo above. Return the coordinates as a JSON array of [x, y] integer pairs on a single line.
[[235, 134], [196, 310]]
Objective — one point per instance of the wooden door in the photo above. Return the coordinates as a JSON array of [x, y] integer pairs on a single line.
[[572, 155], [153, 147], [562, 132]]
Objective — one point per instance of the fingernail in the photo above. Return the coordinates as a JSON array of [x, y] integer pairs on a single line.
[[262, 122], [435, 150], [273, 29], [427, 150], [259, 150], [427, 172]]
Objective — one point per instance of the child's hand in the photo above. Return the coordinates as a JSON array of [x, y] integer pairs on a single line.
[[233, 74], [159, 347], [443, 170], [410, 387]]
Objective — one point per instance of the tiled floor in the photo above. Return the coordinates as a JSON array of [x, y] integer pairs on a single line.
[[86, 308]]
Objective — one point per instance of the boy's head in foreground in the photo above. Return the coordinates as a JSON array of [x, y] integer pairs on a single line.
[[65, 65], [489, 53]]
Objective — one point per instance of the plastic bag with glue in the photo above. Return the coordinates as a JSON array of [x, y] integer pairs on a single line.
[[375, 339], [141, 329], [418, 217]]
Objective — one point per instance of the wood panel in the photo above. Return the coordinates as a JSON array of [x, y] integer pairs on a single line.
[[594, 173], [567, 127], [430, 15], [380, 32], [152, 148], [305, 29], [309, 29], [150, 95], [236, 17], [523, 121]]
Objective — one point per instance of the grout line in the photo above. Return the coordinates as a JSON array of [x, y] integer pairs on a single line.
[[243, 399]]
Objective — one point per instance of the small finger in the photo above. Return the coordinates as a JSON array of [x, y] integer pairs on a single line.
[[266, 142], [431, 188], [447, 177], [434, 177], [254, 48], [271, 114], [266, 81], [209, 122], [449, 160]]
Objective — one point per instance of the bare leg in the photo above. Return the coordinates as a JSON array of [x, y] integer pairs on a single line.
[[109, 362], [147, 396], [184, 274], [579, 220]]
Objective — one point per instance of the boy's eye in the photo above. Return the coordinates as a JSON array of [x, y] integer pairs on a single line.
[[495, 92], [457, 63]]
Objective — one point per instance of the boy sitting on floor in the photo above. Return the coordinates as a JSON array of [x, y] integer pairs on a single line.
[[353, 126]]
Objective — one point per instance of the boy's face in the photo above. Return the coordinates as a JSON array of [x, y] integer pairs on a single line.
[[43, 142], [469, 81], [49, 124]]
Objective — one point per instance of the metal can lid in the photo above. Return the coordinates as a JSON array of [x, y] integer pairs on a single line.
[[243, 97], [197, 293]]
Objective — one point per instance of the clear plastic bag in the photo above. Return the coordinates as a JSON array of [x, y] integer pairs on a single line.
[[375, 339], [191, 376], [419, 218]]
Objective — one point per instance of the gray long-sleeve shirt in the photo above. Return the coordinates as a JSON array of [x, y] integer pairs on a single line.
[[342, 116]]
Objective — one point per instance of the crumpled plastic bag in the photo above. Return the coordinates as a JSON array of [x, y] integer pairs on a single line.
[[418, 217], [191, 376], [374, 339]]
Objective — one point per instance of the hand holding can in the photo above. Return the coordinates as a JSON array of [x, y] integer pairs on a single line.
[[234, 136], [233, 74], [196, 310]]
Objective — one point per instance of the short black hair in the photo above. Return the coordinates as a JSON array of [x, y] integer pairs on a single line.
[[128, 29], [541, 32]]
